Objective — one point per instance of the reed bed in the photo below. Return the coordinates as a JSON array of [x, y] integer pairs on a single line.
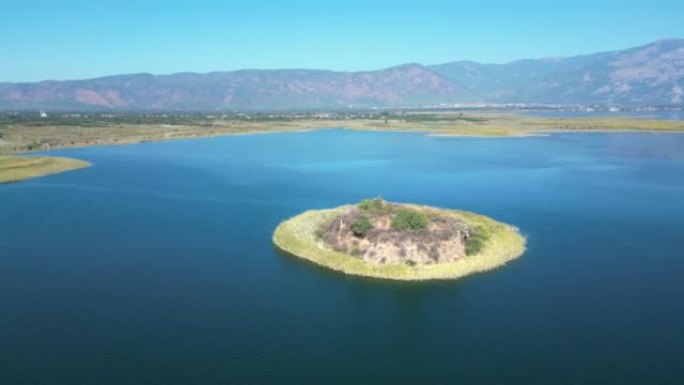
[[15, 169]]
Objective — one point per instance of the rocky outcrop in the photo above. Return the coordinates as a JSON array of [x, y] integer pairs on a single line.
[[443, 240]]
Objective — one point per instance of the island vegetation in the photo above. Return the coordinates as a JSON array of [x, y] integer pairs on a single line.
[[380, 239], [15, 169]]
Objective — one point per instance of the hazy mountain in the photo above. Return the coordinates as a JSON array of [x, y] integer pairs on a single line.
[[409, 84], [651, 74]]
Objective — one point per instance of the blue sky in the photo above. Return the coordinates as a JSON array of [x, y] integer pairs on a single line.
[[81, 39]]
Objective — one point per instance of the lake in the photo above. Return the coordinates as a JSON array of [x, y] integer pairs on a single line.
[[155, 266]]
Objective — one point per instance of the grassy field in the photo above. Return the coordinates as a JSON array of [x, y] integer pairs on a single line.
[[27, 136], [15, 169], [297, 236]]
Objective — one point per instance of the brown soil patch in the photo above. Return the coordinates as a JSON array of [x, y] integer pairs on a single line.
[[443, 240]]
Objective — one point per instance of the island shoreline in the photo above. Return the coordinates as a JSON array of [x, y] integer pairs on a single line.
[[15, 169], [296, 236]]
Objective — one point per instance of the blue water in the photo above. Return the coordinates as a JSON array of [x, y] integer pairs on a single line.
[[155, 266], [665, 115]]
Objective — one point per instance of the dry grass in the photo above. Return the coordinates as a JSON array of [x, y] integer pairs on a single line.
[[297, 236], [15, 169]]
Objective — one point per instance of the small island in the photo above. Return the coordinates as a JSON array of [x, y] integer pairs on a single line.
[[381, 239], [15, 168]]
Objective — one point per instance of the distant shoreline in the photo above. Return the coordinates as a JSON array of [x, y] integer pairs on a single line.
[[44, 136]]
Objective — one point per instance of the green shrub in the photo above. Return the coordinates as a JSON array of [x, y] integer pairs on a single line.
[[409, 219], [361, 225], [365, 204], [411, 262], [478, 237], [475, 244], [375, 205]]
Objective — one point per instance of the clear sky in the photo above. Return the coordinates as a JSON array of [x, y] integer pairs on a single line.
[[71, 39]]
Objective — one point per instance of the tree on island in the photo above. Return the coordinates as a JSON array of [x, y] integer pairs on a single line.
[[409, 219], [361, 225]]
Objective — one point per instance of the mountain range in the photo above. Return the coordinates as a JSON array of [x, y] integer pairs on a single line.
[[652, 74]]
